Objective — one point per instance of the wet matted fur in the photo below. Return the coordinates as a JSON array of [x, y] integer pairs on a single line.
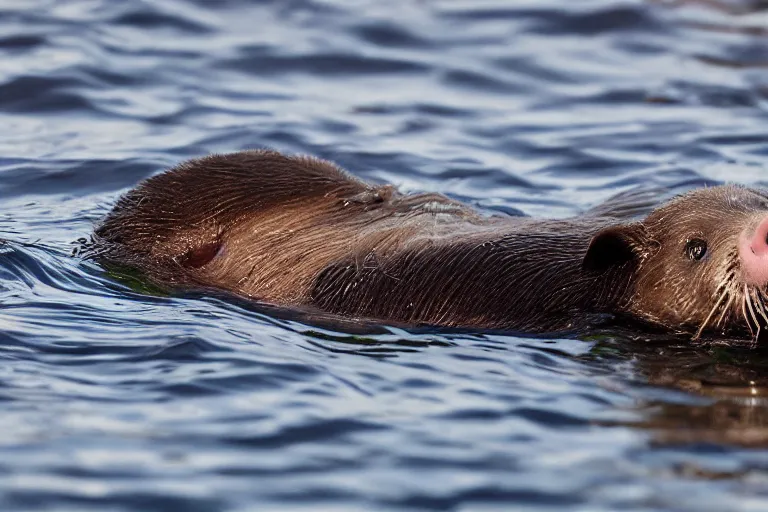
[[299, 231]]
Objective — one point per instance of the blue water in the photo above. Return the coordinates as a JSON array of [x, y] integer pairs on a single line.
[[115, 399]]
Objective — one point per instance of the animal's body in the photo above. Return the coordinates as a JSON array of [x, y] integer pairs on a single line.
[[300, 232]]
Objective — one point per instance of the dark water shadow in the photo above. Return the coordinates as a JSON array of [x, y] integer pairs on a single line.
[[723, 399]]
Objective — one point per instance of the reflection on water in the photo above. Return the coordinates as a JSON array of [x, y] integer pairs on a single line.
[[725, 400]]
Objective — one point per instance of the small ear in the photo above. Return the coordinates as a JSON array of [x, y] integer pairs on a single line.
[[613, 246], [201, 255]]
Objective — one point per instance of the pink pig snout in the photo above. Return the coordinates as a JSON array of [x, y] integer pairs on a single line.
[[753, 251]]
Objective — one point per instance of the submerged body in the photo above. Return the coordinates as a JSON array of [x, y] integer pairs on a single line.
[[297, 231]]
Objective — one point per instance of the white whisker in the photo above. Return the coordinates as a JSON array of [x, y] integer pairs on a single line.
[[726, 310], [748, 300], [711, 313], [744, 312], [760, 301]]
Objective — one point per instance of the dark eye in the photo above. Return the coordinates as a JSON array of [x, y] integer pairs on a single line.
[[695, 249]]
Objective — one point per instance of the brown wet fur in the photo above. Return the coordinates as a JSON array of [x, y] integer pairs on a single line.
[[300, 232]]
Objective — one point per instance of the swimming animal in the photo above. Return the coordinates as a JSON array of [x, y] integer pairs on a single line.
[[297, 231]]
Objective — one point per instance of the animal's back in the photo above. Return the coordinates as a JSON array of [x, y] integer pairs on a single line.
[[266, 225]]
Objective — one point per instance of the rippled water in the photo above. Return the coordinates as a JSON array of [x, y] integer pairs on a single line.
[[116, 399]]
